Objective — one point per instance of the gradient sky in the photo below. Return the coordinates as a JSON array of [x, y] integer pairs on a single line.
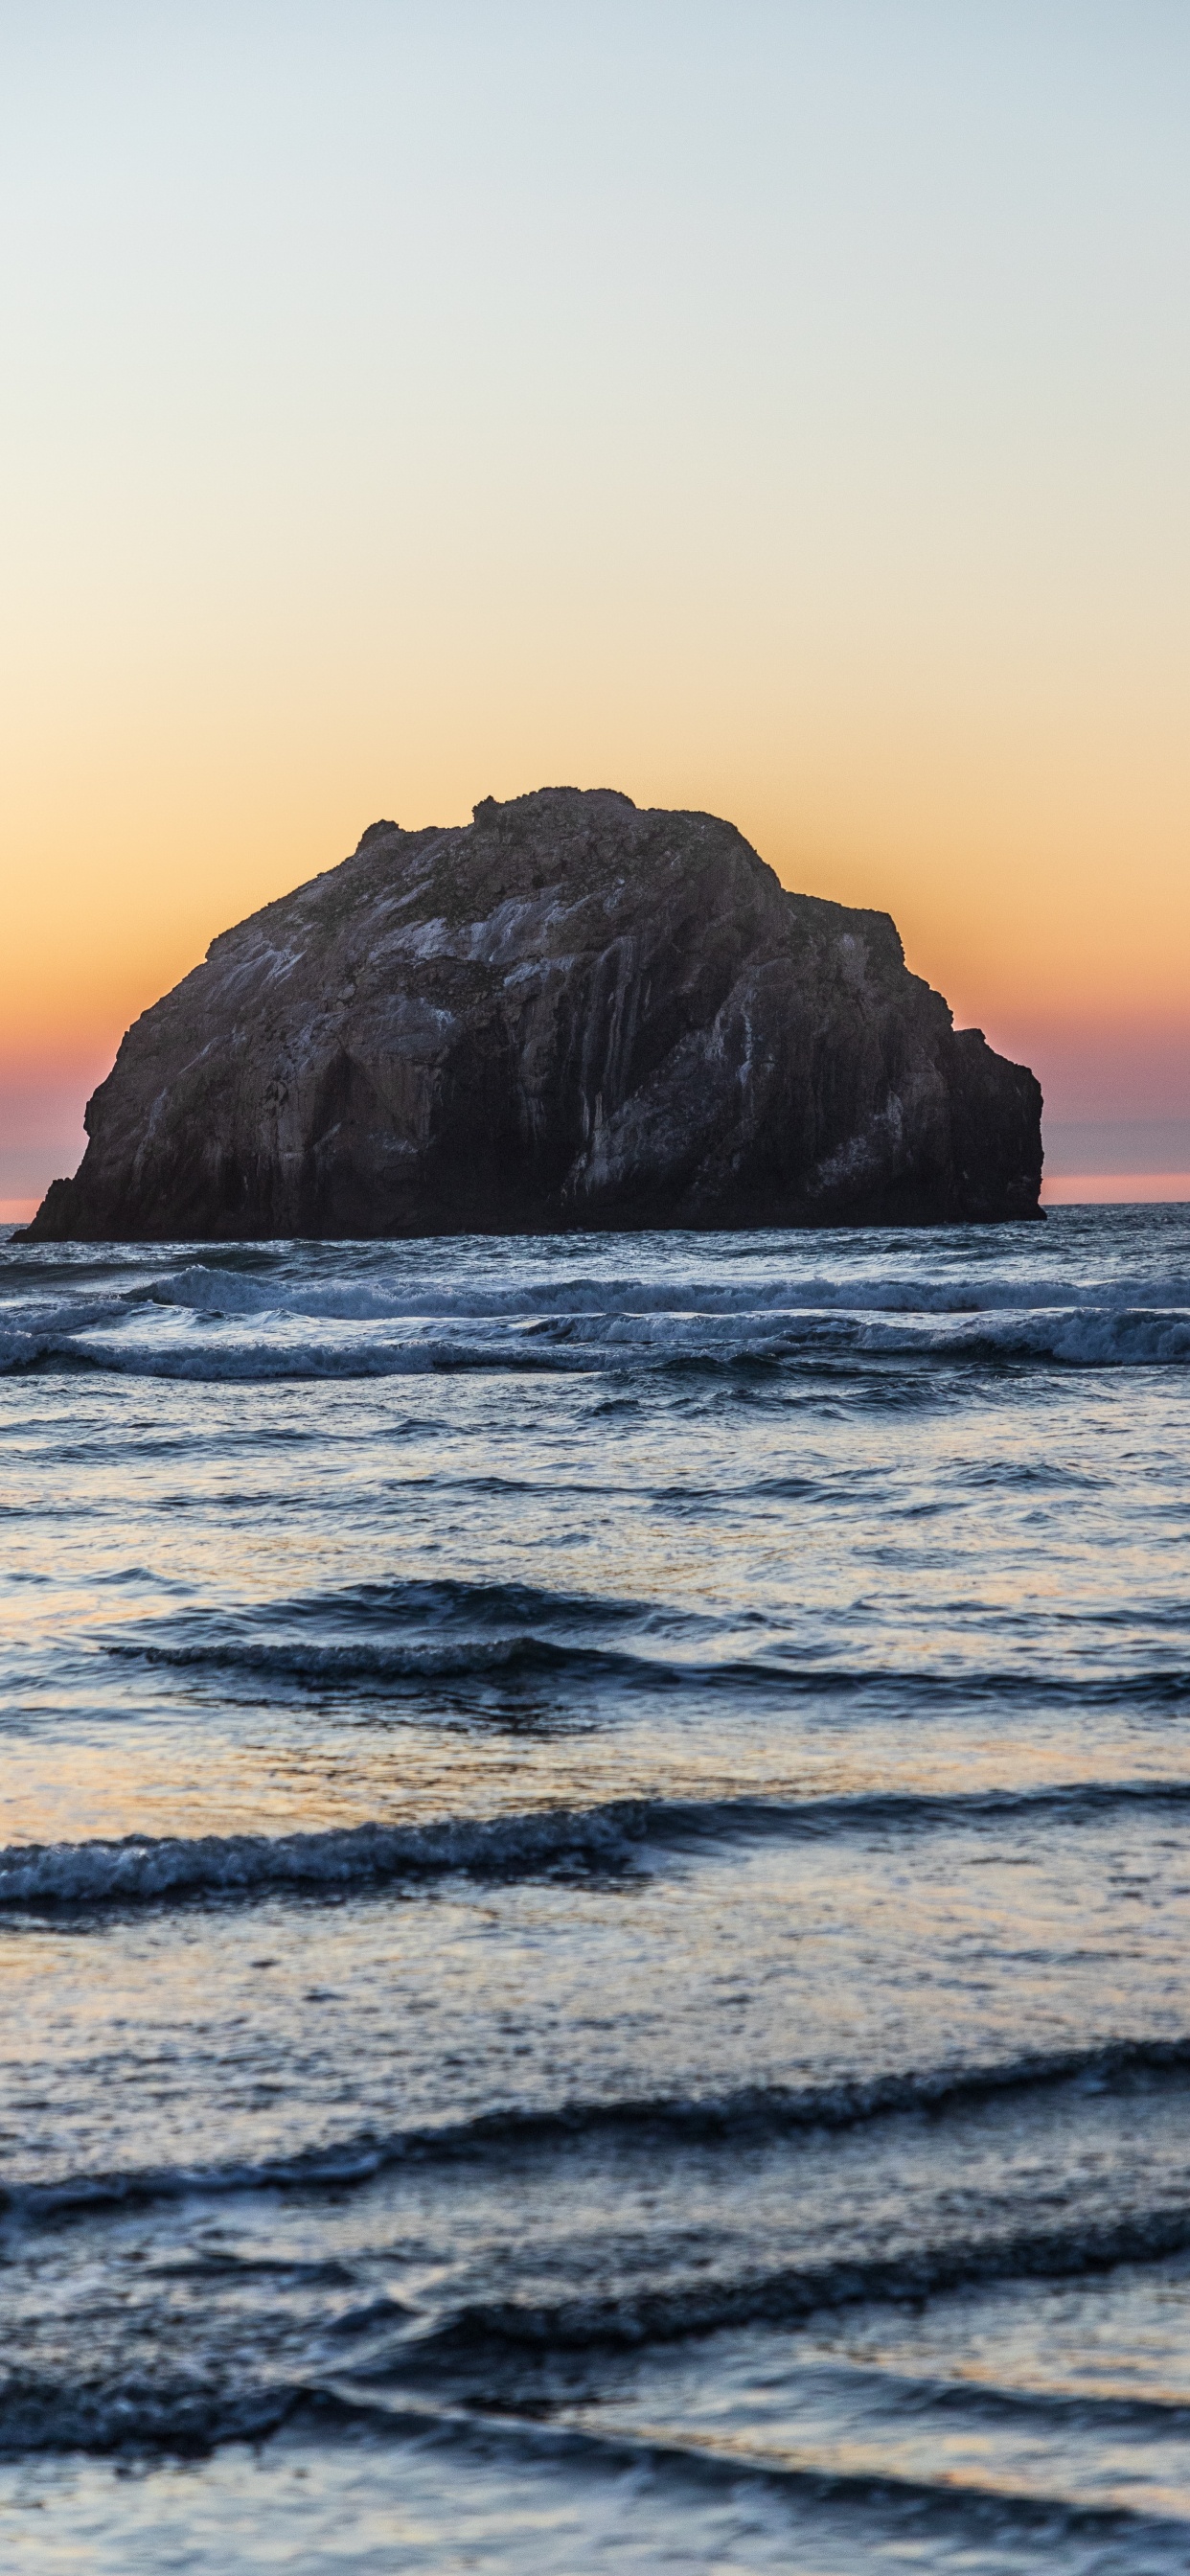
[[777, 406]]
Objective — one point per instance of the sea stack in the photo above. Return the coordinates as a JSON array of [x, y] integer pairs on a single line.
[[569, 1014]]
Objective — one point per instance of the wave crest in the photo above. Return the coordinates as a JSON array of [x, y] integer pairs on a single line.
[[205, 1321]]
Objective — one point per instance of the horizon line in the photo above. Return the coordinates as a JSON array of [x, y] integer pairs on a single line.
[[1078, 1189]]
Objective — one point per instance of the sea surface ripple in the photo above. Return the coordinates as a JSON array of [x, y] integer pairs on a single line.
[[595, 1898]]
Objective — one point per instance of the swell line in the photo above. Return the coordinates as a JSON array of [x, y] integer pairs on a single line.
[[407, 1665], [140, 2418], [746, 2115], [141, 1869], [707, 2462], [1081, 1338], [787, 2297]]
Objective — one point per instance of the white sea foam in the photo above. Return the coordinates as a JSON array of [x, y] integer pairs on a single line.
[[142, 1869], [36, 1327], [1091, 1338], [139, 1869], [281, 1346], [208, 1291], [208, 1321]]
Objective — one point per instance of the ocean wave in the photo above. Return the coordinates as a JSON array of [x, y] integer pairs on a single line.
[[453, 1601], [404, 1667], [180, 2416], [207, 1323], [140, 1869], [279, 1361], [211, 1291], [330, 1664], [785, 2297], [968, 2507], [1090, 1339], [188, 2416], [407, 1634], [32, 1331], [747, 2115], [1094, 1337], [403, 1635], [142, 2418]]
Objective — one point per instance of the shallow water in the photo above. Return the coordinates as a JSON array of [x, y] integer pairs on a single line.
[[594, 1897]]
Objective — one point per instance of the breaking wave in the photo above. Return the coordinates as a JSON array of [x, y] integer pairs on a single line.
[[140, 1869], [209, 1323], [205, 1289]]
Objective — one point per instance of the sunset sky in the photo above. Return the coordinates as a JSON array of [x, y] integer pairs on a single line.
[[774, 406]]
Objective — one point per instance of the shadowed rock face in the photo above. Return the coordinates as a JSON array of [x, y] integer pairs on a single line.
[[569, 1014]]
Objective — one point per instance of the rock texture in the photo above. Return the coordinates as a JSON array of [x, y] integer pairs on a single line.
[[569, 1014]]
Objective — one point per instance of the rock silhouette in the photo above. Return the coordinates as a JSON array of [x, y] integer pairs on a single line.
[[571, 1013]]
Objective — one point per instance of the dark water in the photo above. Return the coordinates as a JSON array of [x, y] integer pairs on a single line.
[[594, 1904]]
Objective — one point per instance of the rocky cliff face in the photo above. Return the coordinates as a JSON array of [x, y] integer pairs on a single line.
[[569, 1014]]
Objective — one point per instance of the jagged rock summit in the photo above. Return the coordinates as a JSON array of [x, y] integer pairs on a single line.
[[571, 1013]]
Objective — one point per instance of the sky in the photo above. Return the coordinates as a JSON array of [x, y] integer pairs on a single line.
[[778, 407]]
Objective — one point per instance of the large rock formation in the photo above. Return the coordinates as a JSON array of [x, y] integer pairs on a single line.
[[569, 1014]]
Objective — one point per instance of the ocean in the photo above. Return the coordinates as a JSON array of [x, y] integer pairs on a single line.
[[594, 1901]]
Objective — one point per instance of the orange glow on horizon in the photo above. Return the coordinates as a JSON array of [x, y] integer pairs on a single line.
[[1040, 948], [1075, 968], [770, 423]]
